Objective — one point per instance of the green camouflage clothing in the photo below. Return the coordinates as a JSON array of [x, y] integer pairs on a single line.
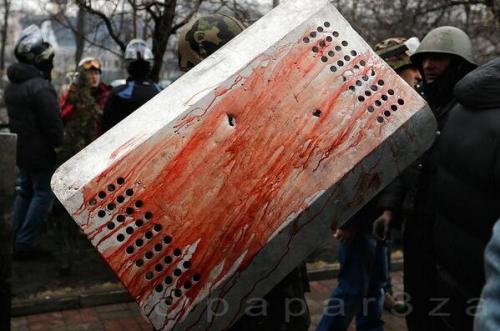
[[203, 36]]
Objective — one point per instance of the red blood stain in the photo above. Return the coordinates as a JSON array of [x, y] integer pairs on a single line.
[[229, 188]]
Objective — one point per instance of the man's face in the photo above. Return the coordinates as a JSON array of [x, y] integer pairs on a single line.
[[411, 75], [433, 66], [94, 77]]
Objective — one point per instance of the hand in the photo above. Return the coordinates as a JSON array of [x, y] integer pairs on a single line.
[[381, 225], [344, 235]]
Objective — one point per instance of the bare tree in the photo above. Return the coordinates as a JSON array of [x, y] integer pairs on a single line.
[[3, 36]]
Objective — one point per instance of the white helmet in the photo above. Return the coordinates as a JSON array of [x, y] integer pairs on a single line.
[[137, 49]]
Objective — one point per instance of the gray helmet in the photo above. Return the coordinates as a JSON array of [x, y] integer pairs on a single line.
[[445, 40], [31, 48], [137, 49]]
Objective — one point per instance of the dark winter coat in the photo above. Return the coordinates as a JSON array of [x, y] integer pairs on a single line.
[[125, 99], [33, 112], [468, 188]]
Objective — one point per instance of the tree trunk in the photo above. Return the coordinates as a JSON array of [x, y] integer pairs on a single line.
[[5, 26], [161, 34], [276, 3], [79, 35]]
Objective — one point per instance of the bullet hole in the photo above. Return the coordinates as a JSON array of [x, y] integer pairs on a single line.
[[362, 63], [324, 59], [340, 63], [167, 240], [315, 49], [120, 181], [320, 29], [335, 34], [384, 97], [139, 242], [317, 113], [102, 194], [333, 68], [148, 215], [129, 192], [196, 277], [347, 57], [177, 252], [177, 272], [361, 98], [159, 288], [401, 102], [168, 280], [231, 120], [354, 53], [139, 203], [178, 293], [149, 235], [371, 109], [326, 24], [129, 230], [331, 53], [120, 218], [345, 43], [129, 250], [111, 206], [359, 83], [187, 285], [167, 259], [149, 275], [139, 263], [169, 300], [158, 267], [139, 223], [120, 237], [329, 39], [306, 40], [390, 92], [368, 93], [186, 264], [380, 119], [352, 88], [111, 225], [120, 199], [338, 48], [101, 213], [111, 187], [387, 113], [93, 202], [394, 107], [149, 255], [365, 78], [374, 87], [129, 210], [322, 43], [313, 34], [378, 103], [380, 82], [373, 72], [158, 247], [356, 67]]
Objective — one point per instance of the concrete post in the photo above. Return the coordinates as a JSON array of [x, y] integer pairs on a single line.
[[7, 188]]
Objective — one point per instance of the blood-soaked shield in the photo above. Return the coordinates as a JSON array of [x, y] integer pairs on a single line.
[[208, 195]]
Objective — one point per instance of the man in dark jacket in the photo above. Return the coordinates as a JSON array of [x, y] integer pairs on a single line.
[[125, 99], [468, 192], [34, 116], [443, 57]]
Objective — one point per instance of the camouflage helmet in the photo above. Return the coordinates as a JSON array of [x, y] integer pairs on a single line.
[[203, 36], [31, 48], [445, 40], [396, 51]]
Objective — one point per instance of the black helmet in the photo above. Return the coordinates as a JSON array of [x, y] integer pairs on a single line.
[[31, 48]]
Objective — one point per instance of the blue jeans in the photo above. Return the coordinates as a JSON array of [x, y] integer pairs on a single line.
[[359, 293], [32, 204]]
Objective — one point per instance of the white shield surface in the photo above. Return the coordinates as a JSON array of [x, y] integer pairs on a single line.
[[212, 192]]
